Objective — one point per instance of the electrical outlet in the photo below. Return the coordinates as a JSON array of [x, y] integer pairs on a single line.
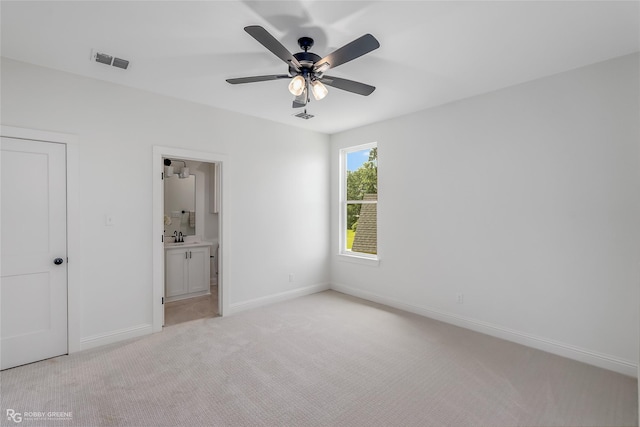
[[460, 297], [291, 277]]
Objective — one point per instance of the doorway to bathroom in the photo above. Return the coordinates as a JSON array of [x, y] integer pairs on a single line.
[[189, 236], [191, 209]]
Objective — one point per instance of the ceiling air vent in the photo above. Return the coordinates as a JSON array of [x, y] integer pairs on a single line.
[[107, 59], [120, 63], [103, 58]]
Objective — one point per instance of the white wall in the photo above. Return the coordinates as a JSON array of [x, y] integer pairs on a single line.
[[210, 220], [278, 214], [527, 201]]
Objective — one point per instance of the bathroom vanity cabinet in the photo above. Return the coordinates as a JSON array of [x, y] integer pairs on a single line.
[[187, 271]]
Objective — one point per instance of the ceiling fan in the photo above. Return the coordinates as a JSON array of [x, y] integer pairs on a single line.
[[306, 69]]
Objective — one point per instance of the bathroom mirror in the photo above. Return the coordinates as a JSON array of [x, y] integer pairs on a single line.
[[180, 205]]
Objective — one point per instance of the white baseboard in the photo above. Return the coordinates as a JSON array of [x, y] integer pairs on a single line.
[[115, 336], [282, 296], [186, 296], [569, 351]]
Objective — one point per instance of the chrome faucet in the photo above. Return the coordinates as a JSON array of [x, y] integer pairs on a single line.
[[175, 236], [180, 237]]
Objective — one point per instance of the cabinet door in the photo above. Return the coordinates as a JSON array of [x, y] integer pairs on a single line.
[[176, 277], [199, 267]]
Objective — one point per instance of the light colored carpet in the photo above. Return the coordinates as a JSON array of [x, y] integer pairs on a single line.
[[322, 360]]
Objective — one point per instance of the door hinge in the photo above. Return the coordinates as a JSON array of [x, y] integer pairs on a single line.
[[162, 238], [161, 175], [67, 260], [162, 300]]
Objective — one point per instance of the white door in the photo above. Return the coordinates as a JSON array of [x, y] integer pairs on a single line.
[[33, 286]]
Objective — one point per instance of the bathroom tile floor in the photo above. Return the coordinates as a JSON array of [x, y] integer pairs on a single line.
[[191, 309]]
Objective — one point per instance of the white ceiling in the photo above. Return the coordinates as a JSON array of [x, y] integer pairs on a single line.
[[431, 52]]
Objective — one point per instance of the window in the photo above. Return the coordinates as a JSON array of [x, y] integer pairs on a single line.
[[359, 201]]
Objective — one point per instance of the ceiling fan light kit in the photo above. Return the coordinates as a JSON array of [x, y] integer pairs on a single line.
[[297, 85], [306, 69], [318, 89]]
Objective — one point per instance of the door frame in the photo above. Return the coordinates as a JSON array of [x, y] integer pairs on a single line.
[[157, 213], [74, 242]]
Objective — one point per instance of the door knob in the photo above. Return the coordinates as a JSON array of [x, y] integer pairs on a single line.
[[58, 261]]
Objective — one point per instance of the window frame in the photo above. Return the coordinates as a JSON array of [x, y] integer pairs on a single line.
[[343, 252]]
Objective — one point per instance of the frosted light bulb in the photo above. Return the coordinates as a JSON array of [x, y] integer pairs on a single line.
[[296, 86], [319, 90]]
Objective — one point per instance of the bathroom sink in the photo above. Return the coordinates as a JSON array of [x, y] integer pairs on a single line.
[[176, 243], [179, 244]]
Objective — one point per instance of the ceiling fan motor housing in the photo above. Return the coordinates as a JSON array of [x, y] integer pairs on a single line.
[[306, 60]]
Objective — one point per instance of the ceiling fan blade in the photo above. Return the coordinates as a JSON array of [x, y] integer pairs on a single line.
[[270, 42], [349, 52], [348, 85], [258, 79]]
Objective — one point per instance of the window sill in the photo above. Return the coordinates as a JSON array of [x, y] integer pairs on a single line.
[[372, 261]]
